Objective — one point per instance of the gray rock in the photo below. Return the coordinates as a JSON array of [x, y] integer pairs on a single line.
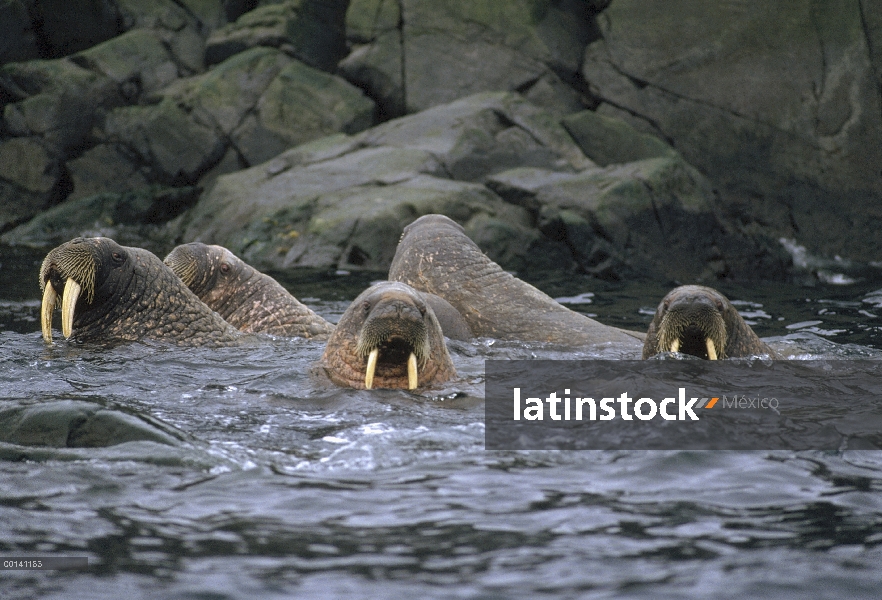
[[30, 179], [19, 42], [96, 21], [182, 25], [131, 218], [76, 424], [650, 217], [482, 134], [177, 148], [412, 55], [301, 104], [57, 100], [607, 140], [106, 168], [310, 30], [257, 104], [137, 60], [778, 104], [342, 201]]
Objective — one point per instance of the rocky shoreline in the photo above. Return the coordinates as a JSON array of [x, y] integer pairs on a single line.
[[614, 139]]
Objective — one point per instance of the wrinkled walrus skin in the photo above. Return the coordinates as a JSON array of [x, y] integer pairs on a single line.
[[111, 294], [435, 256], [388, 338], [249, 300], [700, 321]]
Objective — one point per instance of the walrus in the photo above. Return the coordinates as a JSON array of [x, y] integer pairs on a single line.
[[111, 293], [388, 338], [249, 300], [698, 320], [434, 255]]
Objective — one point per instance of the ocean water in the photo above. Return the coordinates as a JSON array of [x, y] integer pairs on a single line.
[[256, 479]]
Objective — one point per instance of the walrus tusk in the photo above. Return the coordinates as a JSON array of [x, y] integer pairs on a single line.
[[711, 349], [50, 299], [371, 367], [675, 346], [412, 379], [68, 304]]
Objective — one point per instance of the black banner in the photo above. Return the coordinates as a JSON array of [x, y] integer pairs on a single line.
[[683, 405]]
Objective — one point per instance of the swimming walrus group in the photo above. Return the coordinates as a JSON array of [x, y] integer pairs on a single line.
[[441, 285]]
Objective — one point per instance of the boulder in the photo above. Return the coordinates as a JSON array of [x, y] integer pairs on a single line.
[[310, 30], [57, 100], [96, 21], [342, 201], [130, 218], [77, 424], [411, 55], [106, 168], [138, 61], [607, 140], [257, 104], [779, 104], [477, 136], [19, 41], [652, 217], [30, 180], [176, 148]]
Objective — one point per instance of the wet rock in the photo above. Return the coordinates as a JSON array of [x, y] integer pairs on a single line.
[[412, 55], [342, 201], [779, 105], [257, 103], [76, 424], [176, 148], [652, 217], [106, 168], [17, 32], [29, 179], [96, 21], [57, 100], [486, 133], [137, 61], [131, 218], [309, 30], [607, 140]]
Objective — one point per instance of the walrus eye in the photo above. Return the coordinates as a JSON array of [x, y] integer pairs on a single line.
[[666, 304], [117, 257], [366, 306], [225, 267], [719, 304]]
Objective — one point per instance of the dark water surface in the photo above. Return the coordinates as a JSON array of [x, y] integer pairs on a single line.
[[263, 482]]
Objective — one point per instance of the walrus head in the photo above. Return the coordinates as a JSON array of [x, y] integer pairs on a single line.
[[201, 266], [75, 271], [249, 300], [111, 293], [690, 319], [388, 337]]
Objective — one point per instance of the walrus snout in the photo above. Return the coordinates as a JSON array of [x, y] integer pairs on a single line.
[[68, 272], [394, 333], [690, 320], [389, 337]]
